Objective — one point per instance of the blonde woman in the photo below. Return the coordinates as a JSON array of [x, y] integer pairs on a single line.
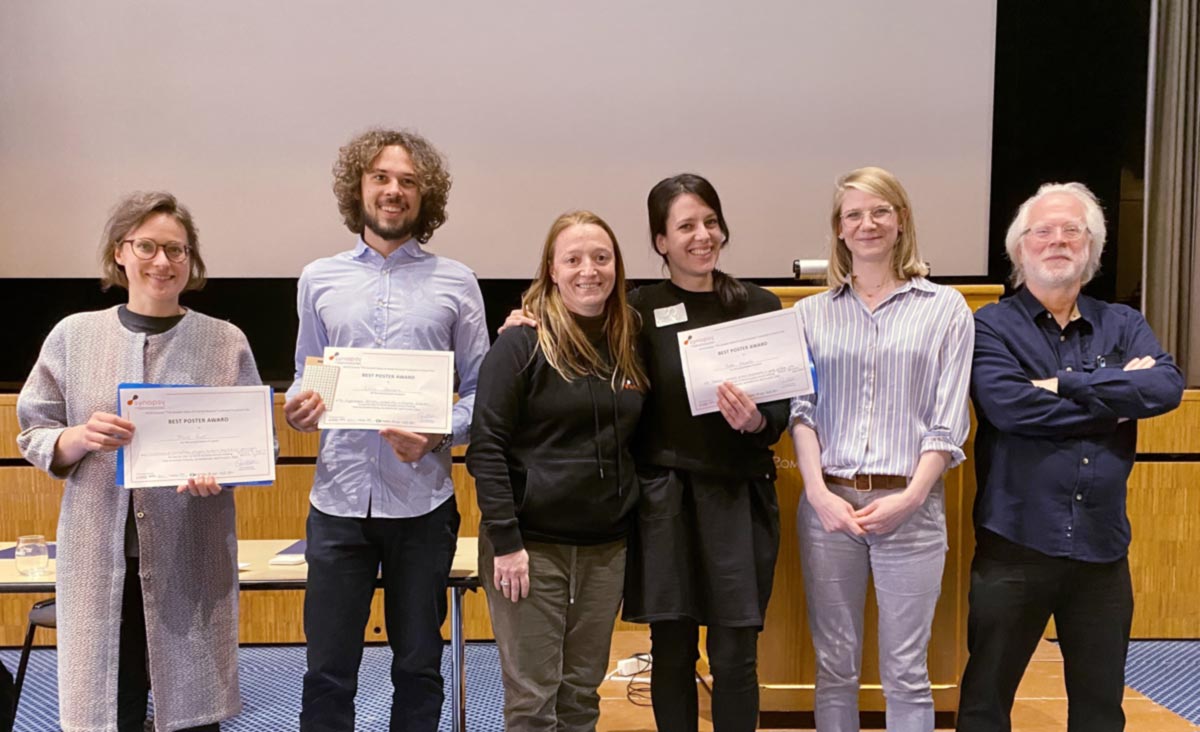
[[892, 353], [555, 412]]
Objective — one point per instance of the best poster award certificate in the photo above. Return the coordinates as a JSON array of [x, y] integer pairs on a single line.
[[180, 432], [765, 355], [378, 387]]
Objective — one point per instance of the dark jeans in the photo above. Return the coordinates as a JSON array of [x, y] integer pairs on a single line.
[[1014, 592], [133, 676], [733, 659], [7, 697], [344, 556]]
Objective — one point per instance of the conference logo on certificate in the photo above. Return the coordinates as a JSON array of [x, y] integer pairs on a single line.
[[765, 356]]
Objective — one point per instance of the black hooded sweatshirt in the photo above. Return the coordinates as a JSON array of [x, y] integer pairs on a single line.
[[551, 457]]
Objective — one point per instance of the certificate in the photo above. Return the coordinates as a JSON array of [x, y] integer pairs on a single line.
[[184, 431], [765, 355], [377, 387]]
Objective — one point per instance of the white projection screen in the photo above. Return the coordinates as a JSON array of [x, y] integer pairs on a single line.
[[239, 108]]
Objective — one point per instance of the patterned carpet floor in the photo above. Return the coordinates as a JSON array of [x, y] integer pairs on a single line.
[[271, 681], [1169, 673], [1166, 671]]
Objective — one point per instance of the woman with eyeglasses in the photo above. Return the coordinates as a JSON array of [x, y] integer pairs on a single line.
[[892, 353], [147, 582]]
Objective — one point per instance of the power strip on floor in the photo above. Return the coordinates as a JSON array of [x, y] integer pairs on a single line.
[[634, 665]]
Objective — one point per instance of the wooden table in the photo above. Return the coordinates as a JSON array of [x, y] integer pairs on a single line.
[[263, 576]]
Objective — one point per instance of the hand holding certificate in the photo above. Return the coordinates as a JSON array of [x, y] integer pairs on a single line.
[[191, 435], [765, 356], [374, 388]]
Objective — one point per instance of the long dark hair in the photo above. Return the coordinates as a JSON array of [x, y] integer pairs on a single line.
[[730, 291]]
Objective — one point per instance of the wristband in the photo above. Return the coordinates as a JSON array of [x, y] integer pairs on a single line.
[[444, 444]]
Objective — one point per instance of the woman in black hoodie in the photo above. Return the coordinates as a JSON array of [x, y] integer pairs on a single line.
[[707, 535], [555, 411]]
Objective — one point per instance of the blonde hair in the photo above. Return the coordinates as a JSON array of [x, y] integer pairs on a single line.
[[906, 258], [130, 213], [1093, 218], [560, 338]]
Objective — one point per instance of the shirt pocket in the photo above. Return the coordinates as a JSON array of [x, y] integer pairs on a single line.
[[426, 326]]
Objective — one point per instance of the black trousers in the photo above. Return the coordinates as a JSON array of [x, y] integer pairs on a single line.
[[344, 556], [8, 696], [1014, 592], [733, 659], [133, 674]]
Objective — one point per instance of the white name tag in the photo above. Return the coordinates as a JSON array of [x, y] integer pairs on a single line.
[[670, 316]]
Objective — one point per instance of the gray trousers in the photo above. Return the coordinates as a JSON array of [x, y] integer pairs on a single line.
[[554, 644], [907, 569]]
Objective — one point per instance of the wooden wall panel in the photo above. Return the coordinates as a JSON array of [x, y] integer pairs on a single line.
[[1162, 504], [14, 619], [8, 426], [29, 501], [1176, 432], [787, 664], [1164, 559], [277, 511]]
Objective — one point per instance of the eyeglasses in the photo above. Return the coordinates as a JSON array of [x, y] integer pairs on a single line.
[[879, 215], [1045, 233], [148, 249]]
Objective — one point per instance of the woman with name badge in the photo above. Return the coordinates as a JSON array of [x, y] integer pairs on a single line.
[[892, 353], [555, 414], [708, 519], [147, 582]]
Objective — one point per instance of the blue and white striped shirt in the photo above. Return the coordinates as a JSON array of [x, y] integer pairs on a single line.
[[412, 300], [892, 383]]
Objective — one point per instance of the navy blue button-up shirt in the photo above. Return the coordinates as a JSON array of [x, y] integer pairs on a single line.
[[1052, 468]]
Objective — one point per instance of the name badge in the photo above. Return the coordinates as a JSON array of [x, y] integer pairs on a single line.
[[670, 316]]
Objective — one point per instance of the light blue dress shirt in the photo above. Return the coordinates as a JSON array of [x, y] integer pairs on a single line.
[[412, 300], [892, 382]]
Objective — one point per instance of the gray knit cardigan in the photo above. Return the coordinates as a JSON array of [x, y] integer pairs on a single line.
[[188, 545]]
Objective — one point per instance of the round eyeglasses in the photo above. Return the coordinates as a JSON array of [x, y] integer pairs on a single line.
[[879, 215], [147, 249]]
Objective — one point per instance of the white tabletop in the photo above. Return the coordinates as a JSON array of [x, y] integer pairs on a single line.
[[253, 552]]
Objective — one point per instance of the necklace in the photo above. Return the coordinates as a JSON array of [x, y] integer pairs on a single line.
[[872, 291]]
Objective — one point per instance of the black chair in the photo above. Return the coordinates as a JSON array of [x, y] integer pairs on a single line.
[[7, 696], [41, 615]]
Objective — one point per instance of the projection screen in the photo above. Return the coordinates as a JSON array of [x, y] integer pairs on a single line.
[[239, 108]]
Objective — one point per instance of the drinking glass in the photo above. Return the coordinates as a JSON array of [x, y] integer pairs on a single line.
[[33, 558]]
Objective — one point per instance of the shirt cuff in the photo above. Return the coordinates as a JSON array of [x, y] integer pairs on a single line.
[[802, 413], [505, 537], [40, 452], [1071, 383], [937, 443]]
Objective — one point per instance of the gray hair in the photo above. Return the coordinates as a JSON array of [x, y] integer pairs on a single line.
[[1093, 219]]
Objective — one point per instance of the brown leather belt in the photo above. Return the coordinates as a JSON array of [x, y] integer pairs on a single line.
[[863, 482]]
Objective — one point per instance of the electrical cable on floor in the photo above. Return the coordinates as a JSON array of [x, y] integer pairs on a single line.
[[638, 692]]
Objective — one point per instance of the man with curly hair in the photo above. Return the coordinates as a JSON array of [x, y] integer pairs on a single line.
[[383, 500]]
